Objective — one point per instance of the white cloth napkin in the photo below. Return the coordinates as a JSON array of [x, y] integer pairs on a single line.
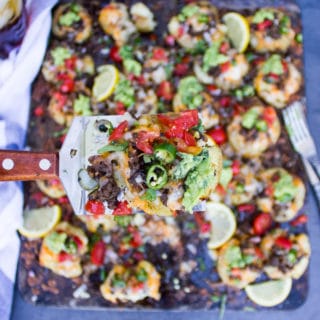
[[16, 75]]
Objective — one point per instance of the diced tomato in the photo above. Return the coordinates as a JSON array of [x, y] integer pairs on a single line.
[[119, 131], [165, 90], [180, 69], [225, 66], [185, 121], [120, 108], [95, 207], [144, 140], [98, 252], [140, 79], [122, 209], [258, 252], [274, 77], [235, 167], [64, 256], [238, 109], [67, 83], [225, 101], [248, 208], [236, 273], [60, 98], [38, 111], [204, 226], [221, 190], [285, 66], [262, 223], [211, 88], [78, 241], [153, 37], [268, 191], [160, 54], [138, 286], [186, 59], [114, 54], [269, 115], [63, 200], [70, 63], [302, 219], [224, 47], [180, 32], [218, 135], [283, 242], [189, 139], [136, 240], [264, 25], [169, 40]]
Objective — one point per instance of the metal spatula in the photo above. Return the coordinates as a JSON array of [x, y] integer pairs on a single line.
[[81, 142]]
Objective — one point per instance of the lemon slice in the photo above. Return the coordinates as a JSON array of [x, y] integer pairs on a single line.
[[223, 224], [238, 30], [38, 222], [269, 293], [105, 82]]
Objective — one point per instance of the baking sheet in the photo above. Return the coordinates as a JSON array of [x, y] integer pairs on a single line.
[[41, 286]]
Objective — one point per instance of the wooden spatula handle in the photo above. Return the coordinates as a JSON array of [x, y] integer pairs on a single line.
[[25, 165]]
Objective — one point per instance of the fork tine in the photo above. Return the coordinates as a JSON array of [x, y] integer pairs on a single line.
[[295, 134], [296, 122], [303, 121]]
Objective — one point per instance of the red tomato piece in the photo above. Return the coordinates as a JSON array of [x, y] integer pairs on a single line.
[[144, 140], [78, 241], [95, 207], [285, 66], [98, 252], [160, 54], [269, 115], [120, 108], [63, 200], [211, 87], [225, 66], [180, 32], [220, 189], [268, 191], [119, 131], [225, 102], [189, 139], [283, 242], [70, 63], [235, 167], [114, 54], [64, 256], [138, 286], [236, 273], [258, 252], [180, 69], [122, 209], [67, 86], [248, 208], [136, 240], [264, 25], [138, 255], [218, 135], [262, 223], [38, 111], [165, 90], [224, 47], [302, 219], [169, 40], [204, 226]]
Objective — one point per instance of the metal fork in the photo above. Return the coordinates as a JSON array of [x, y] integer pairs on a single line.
[[302, 141]]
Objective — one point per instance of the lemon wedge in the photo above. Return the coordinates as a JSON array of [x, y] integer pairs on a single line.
[[38, 222], [269, 293], [238, 30], [105, 82], [223, 224]]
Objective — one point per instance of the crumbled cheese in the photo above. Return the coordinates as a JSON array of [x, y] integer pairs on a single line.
[[81, 292]]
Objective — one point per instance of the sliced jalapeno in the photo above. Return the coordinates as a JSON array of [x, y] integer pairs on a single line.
[[157, 177], [165, 152]]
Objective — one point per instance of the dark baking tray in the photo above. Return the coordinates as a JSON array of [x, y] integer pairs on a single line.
[[40, 286]]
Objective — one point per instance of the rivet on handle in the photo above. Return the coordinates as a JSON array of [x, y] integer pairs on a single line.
[[7, 164], [44, 164]]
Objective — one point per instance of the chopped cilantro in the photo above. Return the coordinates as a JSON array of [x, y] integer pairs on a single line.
[[149, 195]]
